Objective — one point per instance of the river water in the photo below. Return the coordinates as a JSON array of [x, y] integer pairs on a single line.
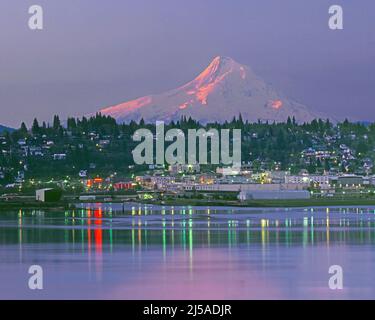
[[106, 251]]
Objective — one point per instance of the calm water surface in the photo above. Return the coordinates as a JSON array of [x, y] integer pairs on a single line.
[[150, 252]]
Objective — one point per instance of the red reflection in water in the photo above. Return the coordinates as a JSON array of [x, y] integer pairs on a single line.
[[98, 236], [89, 230], [97, 215], [98, 233]]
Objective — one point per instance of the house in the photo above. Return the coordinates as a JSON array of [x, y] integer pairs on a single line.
[[59, 156], [123, 185], [230, 171], [350, 180], [278, 176], [310, 152], [104, 142], [20, 177], [160, 182], [320, 180], [92, 166], [21, 142], [83, 174], [96, 183], [35, 151], [184, 168]]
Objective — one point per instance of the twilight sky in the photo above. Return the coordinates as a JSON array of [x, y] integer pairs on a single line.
[[96, 53]]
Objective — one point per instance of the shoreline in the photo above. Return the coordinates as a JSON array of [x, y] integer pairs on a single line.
[[36, 206], [270, 203], [64, 205]]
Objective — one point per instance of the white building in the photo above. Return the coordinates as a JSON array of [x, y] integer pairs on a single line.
[[47, 195], [230, 171], [161, 182], [274, 195], [184, 168], [82, 173], [59, 156], [245, 187], [321, 180]]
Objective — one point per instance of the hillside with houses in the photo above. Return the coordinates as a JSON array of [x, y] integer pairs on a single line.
[[94, 155]]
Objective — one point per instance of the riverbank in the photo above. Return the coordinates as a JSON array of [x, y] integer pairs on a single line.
[[64, 205], [34, 205], [267, 203]]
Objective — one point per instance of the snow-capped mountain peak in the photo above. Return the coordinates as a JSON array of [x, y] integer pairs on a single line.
[[223, 90]]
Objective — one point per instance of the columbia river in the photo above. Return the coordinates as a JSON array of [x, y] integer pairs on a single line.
[[105, 251]]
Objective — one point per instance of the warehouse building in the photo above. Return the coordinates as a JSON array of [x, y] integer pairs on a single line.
[[274, 195], [48, 195]]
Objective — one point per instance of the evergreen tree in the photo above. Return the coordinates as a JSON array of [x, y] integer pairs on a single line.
[[35, 128], [71, 124], [56, 123], [23, 129]]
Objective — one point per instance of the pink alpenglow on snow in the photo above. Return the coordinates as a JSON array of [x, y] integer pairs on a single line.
[[223, 90]]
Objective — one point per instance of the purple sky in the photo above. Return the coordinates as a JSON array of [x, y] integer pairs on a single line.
[[95, 53]]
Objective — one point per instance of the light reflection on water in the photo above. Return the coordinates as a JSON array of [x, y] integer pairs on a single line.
[[137, 251]]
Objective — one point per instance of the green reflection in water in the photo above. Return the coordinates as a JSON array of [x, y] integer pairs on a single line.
[[143, 228]]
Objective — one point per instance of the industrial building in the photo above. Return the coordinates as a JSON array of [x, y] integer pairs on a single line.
[[274, 195], [48, 195]]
